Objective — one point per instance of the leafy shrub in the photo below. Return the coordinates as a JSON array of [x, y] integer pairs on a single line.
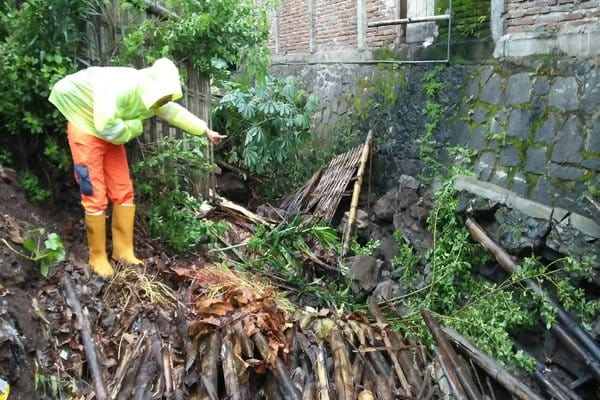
[[166, 176], [33, 190], [5, 157], [173, 220], [38, 40], [214, 36]]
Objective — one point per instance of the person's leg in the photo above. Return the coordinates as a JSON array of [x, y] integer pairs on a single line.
[[120, 192], [88, 160]]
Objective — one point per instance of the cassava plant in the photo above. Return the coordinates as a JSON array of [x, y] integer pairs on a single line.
[[266, 123]]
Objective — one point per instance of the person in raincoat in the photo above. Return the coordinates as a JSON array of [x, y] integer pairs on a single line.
[[105, 107]]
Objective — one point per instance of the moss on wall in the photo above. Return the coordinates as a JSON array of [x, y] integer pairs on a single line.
[[470, 18]]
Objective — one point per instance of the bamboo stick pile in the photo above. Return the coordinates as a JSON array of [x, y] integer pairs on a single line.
[[226, 335]]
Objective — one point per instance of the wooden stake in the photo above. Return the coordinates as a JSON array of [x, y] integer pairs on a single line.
[[356, 194]]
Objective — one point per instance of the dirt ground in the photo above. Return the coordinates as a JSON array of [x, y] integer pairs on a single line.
[[24, 336]]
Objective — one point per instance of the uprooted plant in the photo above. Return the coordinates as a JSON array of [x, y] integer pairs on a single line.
[[300, 257]]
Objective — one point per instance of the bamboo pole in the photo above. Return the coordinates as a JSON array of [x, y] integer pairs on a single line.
[[209, 366], [342, 375], [321, 372], [461, 385], [232, 385], [495, 370], [286, 386], [356, 194], [230, 205], [590, 354], [366, 395], [386, 339], [86, 338]]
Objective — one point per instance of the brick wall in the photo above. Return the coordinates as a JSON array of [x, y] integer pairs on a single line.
[[294, 26], [378, 10], [335, 24], [549, 15], [321, 26]]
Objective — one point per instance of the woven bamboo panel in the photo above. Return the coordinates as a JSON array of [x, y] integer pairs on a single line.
[[322, 193]]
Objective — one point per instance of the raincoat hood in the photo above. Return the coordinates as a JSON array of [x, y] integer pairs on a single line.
[[158, 81]]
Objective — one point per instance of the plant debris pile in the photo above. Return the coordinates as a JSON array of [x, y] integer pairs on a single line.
[[236, 338], [220, 328]]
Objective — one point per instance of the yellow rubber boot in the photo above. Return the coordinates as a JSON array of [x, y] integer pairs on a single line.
[[122, 234], [96, 236]]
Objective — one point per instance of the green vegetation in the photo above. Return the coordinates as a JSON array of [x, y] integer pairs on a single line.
[[485, 311], [45, 249], [33, 190], [40, 42], [470, 18], [214, 37], [167, 174], [433, 112], [283, 251], [5, 157], [266, 123], [37, 42], [55, 386]]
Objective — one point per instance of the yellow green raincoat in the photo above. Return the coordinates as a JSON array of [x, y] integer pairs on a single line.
[[111, 102]]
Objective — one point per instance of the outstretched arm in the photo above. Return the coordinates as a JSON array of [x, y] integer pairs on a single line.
[[178, 116]]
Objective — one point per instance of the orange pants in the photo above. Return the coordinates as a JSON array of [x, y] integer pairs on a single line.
[[101, 169]]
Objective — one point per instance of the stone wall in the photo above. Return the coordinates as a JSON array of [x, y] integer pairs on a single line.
[[533, 126], [536, 127]]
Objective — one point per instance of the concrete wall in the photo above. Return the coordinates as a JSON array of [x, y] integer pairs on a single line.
[[549, 27]]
